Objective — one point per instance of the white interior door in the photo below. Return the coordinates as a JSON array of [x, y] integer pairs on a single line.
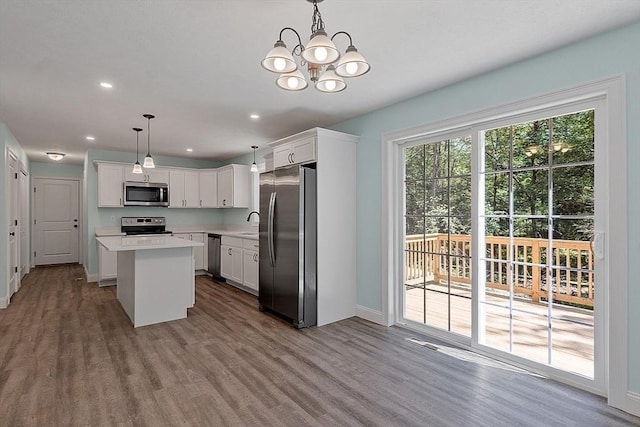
[[56, 221], [14, 234]]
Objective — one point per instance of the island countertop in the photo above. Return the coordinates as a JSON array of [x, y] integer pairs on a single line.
[[136, 243]]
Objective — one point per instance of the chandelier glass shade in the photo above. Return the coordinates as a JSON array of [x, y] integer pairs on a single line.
[[320, 56], [254, 166]]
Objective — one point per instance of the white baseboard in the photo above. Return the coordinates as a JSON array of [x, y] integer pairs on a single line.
[[4, 302], [91, 278], [632, 403], [369, 314]]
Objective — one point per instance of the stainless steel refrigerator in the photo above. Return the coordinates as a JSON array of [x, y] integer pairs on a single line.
[[287, 281]]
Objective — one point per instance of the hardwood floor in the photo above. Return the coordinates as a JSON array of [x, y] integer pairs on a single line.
[[69, 356]]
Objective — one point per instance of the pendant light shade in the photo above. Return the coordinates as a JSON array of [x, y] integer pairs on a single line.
[[330, 82], [254, 166], [279, 59], [320, 49], [136, 167], [148, 160], [292, 81], [352, 64]]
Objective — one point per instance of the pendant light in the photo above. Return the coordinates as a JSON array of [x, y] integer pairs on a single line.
[[254, 167], [148, 160], [136, 167]]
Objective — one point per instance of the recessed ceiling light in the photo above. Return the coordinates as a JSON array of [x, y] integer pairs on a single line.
[[190, 149], [90, 138], [106, 85], [254, 116]]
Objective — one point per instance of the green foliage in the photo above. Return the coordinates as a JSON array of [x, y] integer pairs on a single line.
[[438, 180]]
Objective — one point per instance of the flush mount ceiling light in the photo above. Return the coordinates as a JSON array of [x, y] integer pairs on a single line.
[[148, 160], [55, 156], [319, 53], [90, 138], [136, 167], [254, 116], [254, 167], [106, 85]]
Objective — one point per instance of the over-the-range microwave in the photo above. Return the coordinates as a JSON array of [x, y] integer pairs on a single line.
[[146, 194]]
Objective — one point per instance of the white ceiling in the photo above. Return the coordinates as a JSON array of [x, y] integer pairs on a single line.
[[196, 64]]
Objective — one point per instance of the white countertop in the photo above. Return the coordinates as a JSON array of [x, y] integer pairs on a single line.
[[250, 233], [136, 243]]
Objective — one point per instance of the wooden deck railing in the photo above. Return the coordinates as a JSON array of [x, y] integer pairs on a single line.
[[571, 274]]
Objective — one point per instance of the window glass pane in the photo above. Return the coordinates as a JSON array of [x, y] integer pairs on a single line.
[[530, 192], [496, 149], [437, 196], [460, 190], [436, 160], [573, 190], [530, 143], [460, 156], [496, 194], [573, 138]]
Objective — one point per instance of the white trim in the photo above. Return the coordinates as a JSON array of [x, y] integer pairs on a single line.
[[369, 314], [613, 91], [91, 278], [4, 303], [632, 403]]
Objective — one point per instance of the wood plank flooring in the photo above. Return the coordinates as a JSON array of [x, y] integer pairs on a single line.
[[69, 356]]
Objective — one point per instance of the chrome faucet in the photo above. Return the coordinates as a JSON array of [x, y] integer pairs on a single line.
[[251, 213]]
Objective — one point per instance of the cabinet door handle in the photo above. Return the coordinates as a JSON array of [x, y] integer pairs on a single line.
[[120, 201], [293, 157], [229, 251], [200, 202], [255, 257]]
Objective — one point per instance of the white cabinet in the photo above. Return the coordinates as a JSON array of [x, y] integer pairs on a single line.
[[208, 183], [110, 189], [107, 265], [183, 188], [231, 259], [295, 152], [199, 253], [148, 175], [233, 186], [250, 264]]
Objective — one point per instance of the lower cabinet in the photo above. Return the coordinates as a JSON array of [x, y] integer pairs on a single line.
[[107, 265], [199, 252], [239, 261]]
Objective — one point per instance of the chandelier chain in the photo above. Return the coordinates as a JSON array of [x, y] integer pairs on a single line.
[[317, 23]]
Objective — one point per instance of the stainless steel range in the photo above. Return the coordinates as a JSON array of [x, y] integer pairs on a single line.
[[147, 225]]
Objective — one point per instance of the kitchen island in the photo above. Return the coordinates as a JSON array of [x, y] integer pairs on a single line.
[[155, 276]]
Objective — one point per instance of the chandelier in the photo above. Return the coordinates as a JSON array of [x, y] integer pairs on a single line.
[[322, 59]]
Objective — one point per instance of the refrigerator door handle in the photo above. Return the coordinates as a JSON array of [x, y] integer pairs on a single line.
[[272, 205]]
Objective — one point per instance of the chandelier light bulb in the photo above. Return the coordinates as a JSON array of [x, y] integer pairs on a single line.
[[292, 82], [330, 82], [351, 68], [279, 64], [320, 54], [330, 85]]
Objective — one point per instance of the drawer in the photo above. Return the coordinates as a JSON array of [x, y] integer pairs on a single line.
[[232, 241], [251, 244]]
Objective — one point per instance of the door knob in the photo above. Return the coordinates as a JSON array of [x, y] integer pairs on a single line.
[[75, 225], [75, 220], [12, 234]]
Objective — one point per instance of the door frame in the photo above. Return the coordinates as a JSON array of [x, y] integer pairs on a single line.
[[80, 214], [612, 90]]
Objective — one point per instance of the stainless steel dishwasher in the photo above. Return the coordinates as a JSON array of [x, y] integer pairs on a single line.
[[213, 263]]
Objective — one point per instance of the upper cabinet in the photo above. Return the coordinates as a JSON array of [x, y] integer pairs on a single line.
[[295, 152], [233, 186], [208, 188], [110, 190], [184, 188], [226, 187], [148, 175]]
